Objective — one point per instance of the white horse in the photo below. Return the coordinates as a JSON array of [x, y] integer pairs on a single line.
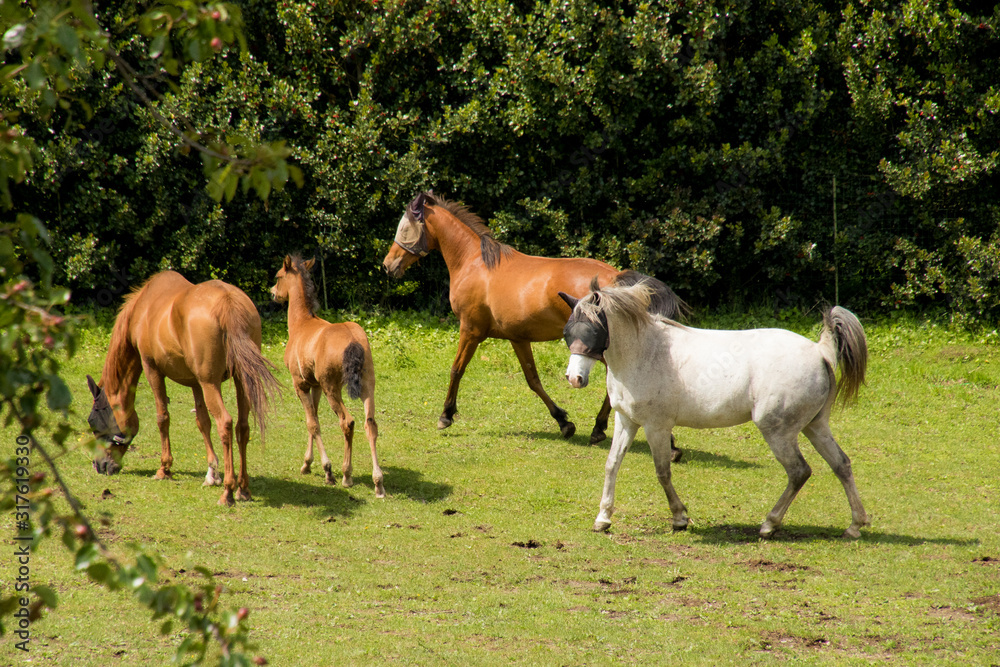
[[662, 374]]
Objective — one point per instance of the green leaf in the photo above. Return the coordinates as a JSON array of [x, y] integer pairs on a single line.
[[59, 396]]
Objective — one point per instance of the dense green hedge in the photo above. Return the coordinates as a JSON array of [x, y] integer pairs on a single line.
[[697, 141]]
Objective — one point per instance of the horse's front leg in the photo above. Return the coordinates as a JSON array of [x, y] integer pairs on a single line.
[[661, 442], [524, 355], [625, 430], [159, 387], [204, 422], [468, 341]]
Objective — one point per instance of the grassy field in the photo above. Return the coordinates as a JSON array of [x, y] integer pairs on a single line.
[[482, 552]]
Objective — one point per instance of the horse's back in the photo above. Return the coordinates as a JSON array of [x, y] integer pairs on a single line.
[[718, 378], [522, 294], [181, 326]]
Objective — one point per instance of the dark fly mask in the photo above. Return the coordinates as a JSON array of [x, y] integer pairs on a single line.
[[586, 341]]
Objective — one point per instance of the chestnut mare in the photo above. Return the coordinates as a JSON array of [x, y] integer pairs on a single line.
[[322, 357], [498, 292], [198, 336]]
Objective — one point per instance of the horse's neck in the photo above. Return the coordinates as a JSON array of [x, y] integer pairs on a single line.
[[628, 346], [298, 310], [458, 244], [121, 374]]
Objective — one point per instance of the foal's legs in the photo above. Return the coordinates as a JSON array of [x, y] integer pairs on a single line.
[[523, 351], [784, 444], [310, 402], [224, 424], [347, 426], [625, 430], [598, 435], [820, 436], [212, 477], [371, 430], [467, 344], [660, 441], [159, 386]]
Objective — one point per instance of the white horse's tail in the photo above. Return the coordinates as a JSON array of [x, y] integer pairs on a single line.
[[844, 339]]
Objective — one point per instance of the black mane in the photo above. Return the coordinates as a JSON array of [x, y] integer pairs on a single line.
[[492, 251]]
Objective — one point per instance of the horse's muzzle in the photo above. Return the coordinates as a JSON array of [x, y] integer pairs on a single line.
[[578, 370]]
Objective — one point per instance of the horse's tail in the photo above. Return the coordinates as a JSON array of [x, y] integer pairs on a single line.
[[663, 300], [354, 364], [845, 338], [243, 357]]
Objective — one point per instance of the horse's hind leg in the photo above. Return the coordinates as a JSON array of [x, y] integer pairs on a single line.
[[242, 438], [310, 403], [785, 447], [224, 424], [159, 387], [822, 439], [660, 444], [523, 351], [212, 477], [347, 427], [467, 344], [371, 430]]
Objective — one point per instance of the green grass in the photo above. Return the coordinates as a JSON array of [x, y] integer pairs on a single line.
[[482, 553]]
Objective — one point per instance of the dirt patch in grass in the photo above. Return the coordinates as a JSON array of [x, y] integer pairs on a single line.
[[770, 566], [990, 603]]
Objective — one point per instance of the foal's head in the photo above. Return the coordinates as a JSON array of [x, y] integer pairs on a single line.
[[296, 273]]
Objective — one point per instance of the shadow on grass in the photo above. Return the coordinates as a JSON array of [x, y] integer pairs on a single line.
[[747, 533], [641, 446], [411, 483]]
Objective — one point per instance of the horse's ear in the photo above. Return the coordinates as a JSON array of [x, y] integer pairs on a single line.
[[95, 391], [416, 208], [594, 285], [288, 263], [570, 301], [309, 264]]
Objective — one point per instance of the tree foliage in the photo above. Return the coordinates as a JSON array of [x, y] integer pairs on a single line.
[[694, 140]]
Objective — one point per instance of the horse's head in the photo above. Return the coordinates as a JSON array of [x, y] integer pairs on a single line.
[[411, 241], [586, 335], [294, 268], [104, 423]]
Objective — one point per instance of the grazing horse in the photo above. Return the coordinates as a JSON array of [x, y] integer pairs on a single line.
[[662, 374], [322, 357], [198, 336], [498, 292]]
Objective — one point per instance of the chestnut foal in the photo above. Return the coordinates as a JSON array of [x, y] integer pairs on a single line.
[[323, 357]]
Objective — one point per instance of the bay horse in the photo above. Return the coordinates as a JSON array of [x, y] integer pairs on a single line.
[[323, 357], [198, 336], [498, 292], [663, 374]]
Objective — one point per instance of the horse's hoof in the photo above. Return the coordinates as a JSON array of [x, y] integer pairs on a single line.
[[852, 533], [675, 455], [598, 436], [767, 531], [306, 468], [162, 475], [379, 490], [227, 500], [444, 422], [242, 495], [567, 430], [678, 527], [330, 479], [601, 526], [348, 481]]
